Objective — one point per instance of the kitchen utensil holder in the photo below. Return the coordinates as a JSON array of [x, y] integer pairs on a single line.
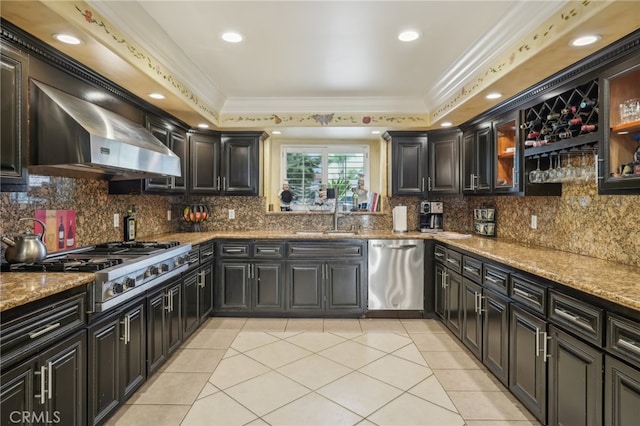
[[484, 221]]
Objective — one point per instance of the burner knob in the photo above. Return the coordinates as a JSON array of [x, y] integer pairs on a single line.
[[129, 283], [164, 268], [151, 270], [117, 288]]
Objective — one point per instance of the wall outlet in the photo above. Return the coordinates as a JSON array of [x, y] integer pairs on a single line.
[[168, 214], [232, 214], [116, 220], [534, 221]]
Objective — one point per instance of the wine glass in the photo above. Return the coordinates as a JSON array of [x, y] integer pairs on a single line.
[[547, 173], [535, 175]]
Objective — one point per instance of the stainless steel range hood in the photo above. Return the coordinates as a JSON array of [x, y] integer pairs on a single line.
[[75, 138]]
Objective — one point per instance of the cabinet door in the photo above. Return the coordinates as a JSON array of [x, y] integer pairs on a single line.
[[575, 381], [156, 353], [444, 164], [13, 119], [16, 393], [440, 290], [409, 165], [161, 132], [622, 393], [205, 298], [506, 158], [205, 163], [468, 161], [268, 286], [65, 366], [344, 286], [240, 164], [190, 303], [173, 317], [527, 361], [470, 307], [103, 372], [178, 144], [453, 316], [134, 354], [305, 282], [484, 151], [232, 286], [495, 335]]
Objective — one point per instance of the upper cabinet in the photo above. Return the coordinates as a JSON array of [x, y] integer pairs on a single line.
[[13, 121], [176, 140], [507, 155], [225, 164], [620, 148], [443, 177], [477, 144], [408, 163]]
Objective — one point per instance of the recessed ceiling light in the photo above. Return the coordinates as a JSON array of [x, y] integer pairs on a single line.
[[203, 125], [409, 35], [585, 40], [156, 95], [494, 95], [276, 132], [446, 124], [232, 37], [67, 38], [375, 132]]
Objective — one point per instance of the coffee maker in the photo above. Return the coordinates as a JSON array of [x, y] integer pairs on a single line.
[[431, 216]]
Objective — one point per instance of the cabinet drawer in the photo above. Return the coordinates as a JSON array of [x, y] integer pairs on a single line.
[[453, 260], [577, 316], [268, 249], [472, 268], [440, 253], [335, 250], [235, 249], [529, 293], [206, 252], [623, 338], [29, 333], [496, 278]]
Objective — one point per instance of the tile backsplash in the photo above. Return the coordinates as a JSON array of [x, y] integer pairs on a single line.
[[579, 221]]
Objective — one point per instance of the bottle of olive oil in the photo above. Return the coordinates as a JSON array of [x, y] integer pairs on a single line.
[[130, 224]]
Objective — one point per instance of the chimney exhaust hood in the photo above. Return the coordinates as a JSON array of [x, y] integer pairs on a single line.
[[75, 138]]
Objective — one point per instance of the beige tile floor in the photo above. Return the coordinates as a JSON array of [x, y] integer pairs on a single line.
[[238, 371]]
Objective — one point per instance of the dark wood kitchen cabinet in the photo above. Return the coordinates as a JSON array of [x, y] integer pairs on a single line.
[[621, 393], [507, 155], [198, 288], [444, 163], [117, 359], [176, 140], [49, 388], [225, 164], [495, 335], [164, 324], [408, 163], [471, 316], [14, 73], [476, 159]]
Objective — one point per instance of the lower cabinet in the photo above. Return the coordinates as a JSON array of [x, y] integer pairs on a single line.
[[117, 360], [495, 335], [528, 361], [575, 381], [164, 324], [49, 388], [453, 288], [247, 286], [471, 312], [621, 393], [440, 291], [198, 291]]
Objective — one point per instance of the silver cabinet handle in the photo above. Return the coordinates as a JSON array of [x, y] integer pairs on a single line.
[[631, 346], [218, 183], [224, 183], [476, 300], [423, 184], [545, 353], [491, 279], [437, 254], [470, 269], [537, 342], [405, 247], [43, 330], [473, 181], [207, 253], [233, 250], [522, 293], [50, 384], [444, 279], [272, 251], [574, 319], [41, 373], [167, 305], [455, 262], [429, 185]]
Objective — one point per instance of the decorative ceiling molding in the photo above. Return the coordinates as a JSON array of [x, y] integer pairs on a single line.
[[566, 19], [324, 119], [89, 20]]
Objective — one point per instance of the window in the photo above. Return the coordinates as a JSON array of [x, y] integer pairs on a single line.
[[306, 168]]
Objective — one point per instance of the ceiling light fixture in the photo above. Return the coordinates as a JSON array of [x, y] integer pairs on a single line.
[[156, 95], [67, 38], [375, 132], [232, 37], [276, 132], [494, 95], [409, 35], [585, 40], [446, 124], [203, 125]]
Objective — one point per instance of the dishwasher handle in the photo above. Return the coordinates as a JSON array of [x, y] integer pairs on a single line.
[[403, 247]]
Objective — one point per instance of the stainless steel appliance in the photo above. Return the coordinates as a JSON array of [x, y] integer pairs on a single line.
[[431, 217], [396, 275], [123, 270]]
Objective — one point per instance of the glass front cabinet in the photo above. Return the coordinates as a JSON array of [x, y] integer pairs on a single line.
[[506, 171], [619, 156]]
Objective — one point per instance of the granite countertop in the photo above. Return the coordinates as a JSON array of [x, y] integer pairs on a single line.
[[609, 280]]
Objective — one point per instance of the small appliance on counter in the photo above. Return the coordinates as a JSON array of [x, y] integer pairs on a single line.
[[400, 219], [484, 221], [431, 216]]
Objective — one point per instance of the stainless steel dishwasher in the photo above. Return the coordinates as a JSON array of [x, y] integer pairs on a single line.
[[396, 275]]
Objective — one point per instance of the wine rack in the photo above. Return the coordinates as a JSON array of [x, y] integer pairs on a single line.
[[564, 121]]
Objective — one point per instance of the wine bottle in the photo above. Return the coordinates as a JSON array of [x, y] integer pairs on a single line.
[[569, 110], [531, 124], [577, 121], [565, 135], [61, 235], [533, 135], [553, 116], [530, 143], [587, 105], [70, 239], [588, 128], [130, 225]]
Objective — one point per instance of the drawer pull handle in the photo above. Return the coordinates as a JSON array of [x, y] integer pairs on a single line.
[[470, 269], [455, 262], [580, 322], [523, 293], [437, 254], [631, 346], [229, 250], [493, 280], [44, 330], [268, 250], [207, 253]]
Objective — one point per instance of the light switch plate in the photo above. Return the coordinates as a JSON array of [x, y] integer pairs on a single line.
[[116, 220], [534, 221], [232, 214]]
